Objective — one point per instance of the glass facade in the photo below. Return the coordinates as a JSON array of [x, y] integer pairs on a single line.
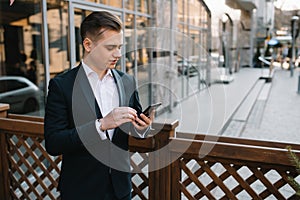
[[40, 39], [193, 45], [21, 47]]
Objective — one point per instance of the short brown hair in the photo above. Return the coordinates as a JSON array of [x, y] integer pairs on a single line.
[[97, 21]]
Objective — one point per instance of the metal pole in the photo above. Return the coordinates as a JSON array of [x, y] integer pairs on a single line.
[[292, 50], [294, 19], [45, 43], [224, 38], [299, 83]]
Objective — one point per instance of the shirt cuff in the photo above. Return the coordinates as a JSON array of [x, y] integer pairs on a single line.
[[144, 133], [102, 134]]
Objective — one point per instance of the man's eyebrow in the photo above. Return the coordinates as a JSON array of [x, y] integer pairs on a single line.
[[114, 44]]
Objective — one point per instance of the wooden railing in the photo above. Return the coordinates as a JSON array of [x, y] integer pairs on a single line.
[[233, 169], [190, 167], [27, 170]]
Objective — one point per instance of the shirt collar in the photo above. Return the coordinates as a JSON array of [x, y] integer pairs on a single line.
[[90, 72]]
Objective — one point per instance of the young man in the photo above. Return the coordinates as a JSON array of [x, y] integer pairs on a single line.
[[90, 111]]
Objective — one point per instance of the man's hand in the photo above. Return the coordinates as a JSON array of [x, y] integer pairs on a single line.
[[143, 121], [117, 117]]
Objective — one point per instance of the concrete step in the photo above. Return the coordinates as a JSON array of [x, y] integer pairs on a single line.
[[246, 106], [264, 94], [258, 93]]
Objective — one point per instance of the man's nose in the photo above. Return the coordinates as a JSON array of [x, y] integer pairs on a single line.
[[117, 53]]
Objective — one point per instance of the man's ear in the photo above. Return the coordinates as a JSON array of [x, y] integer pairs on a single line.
[[87, 43]]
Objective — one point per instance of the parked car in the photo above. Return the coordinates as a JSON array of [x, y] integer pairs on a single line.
[[184, 67], [21, 94]]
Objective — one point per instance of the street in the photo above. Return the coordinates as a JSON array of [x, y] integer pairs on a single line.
[[279, 113], [271, 111]]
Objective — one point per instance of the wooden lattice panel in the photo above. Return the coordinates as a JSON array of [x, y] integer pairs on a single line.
[[33, 174], [203, 179], [233, 169], [140, 181]]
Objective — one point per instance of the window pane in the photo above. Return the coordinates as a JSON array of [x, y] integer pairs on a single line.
[[129, 4], [180, 11], [15, 85], [79, 16], [142, 6], [144, 69], [194, 12], [114, 3], [58, 37], [185, 10], [203, 17], [2, 86], [130, 44], [21, 49]]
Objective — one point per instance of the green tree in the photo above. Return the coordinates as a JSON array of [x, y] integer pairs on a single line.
[[296, 161]]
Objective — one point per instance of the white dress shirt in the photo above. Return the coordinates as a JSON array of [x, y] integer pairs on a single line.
[[106, 94]]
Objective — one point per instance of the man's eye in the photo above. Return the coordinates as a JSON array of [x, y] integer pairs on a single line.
[[110, 47]]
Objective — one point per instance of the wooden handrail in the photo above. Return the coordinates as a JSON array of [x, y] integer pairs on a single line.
[[235, 140], [25, 117], [231, 151], [29, 128]]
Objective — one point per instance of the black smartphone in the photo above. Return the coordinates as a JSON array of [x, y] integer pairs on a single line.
[[150, 108]]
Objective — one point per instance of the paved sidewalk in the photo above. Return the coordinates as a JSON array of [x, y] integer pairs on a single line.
[[280, 114], [209, 110]]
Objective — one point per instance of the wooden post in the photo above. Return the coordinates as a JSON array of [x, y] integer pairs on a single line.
[[3, 109], [160, 179], [176, 177], [4, 181]]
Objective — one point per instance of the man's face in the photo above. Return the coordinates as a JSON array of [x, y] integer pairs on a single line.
[[105, 52]]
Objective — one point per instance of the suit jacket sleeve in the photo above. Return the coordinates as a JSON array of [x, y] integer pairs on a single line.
[[61, 134], [135, 103]]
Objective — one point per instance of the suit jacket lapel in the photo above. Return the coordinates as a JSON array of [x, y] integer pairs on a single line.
[[122, 97], [86, 88], [84, 84], [120, 87]]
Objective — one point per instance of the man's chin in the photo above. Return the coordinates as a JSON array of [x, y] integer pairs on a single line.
[[112, 66]]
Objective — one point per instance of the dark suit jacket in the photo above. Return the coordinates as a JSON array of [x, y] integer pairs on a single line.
[[70, 131]]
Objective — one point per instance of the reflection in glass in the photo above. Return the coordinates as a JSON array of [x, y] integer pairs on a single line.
[[194, 11], [21, 37], [203, 17], [129, 4], [192, 46], [142, 39], [181, 61], [79, 16], [58, 34], [142, 6], [130, 44], [113, 3], [143, 66], [186, 11], [180, 11], [21, 55]]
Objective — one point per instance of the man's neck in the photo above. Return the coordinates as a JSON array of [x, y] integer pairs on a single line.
[[99, 72]]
